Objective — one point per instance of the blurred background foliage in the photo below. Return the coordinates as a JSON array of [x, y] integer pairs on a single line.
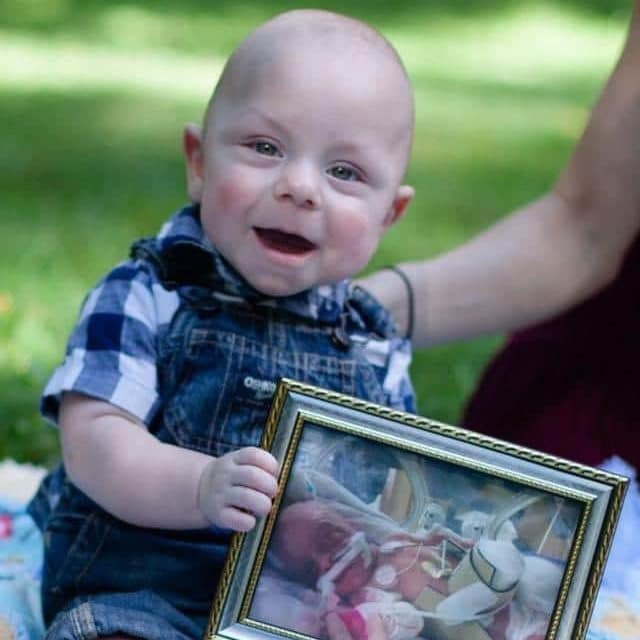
[[94, 94]]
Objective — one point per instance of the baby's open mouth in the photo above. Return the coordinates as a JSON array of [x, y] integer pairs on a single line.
[[284, 242]]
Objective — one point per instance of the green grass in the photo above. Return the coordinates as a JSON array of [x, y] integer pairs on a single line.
[[93, 97]]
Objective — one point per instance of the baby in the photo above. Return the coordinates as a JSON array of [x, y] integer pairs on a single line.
[[294, 178]]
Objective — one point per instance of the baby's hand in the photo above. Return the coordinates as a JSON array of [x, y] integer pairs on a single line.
[[238, 487]]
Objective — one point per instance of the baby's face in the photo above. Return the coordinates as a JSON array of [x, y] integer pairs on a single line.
[[311, 540], [302, 170]]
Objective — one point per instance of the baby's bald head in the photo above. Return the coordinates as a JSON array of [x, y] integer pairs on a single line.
[[313, 115], [319, 46]]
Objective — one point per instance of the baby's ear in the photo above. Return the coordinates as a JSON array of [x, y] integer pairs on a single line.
[[194, 159], [403, 198]]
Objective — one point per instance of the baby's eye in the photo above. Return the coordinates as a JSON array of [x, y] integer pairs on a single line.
[[344, 172], [265, 148]]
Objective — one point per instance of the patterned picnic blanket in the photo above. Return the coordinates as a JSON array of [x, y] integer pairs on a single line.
[[616, 615], [20, 554]]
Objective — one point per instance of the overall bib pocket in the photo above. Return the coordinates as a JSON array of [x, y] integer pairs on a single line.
[[227, 383]]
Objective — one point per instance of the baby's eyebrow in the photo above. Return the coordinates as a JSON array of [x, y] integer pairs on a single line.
[[349, 147], [252, 111]]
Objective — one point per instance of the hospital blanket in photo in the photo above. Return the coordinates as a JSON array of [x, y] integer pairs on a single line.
[[616, 614]]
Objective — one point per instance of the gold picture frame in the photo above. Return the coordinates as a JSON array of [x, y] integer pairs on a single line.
[[390, 525]]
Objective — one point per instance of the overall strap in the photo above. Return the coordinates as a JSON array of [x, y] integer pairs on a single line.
[[374, 318], [183, 263]]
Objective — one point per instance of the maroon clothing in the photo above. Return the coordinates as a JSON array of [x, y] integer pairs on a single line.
[[570, 386]]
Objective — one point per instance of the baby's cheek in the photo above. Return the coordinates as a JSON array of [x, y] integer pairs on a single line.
[[358, 238], [231, 194]]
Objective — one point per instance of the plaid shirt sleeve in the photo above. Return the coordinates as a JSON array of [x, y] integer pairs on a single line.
[[111, 353]]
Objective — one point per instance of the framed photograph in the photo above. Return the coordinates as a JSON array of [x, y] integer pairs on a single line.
[[390, 526]]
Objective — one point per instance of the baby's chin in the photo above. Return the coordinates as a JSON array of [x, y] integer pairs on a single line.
[[277, 287]]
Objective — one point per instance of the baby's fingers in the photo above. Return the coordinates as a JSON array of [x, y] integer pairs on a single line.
[[243, 507], [255, 478], [248, 500], [256, 457], [236, 519]]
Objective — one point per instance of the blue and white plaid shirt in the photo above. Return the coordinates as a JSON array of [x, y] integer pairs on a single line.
[[111, 353]]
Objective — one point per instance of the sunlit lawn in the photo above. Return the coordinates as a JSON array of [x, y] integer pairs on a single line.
[[91, 112]]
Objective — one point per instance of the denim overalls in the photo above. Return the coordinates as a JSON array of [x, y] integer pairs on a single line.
[[217, 369]]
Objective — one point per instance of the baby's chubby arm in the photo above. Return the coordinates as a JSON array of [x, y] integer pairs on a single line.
[[112, 457]]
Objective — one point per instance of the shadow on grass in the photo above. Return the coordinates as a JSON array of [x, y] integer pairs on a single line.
[[90, 171], [199, 25], [111, 144], [76, 13], [83, 174]]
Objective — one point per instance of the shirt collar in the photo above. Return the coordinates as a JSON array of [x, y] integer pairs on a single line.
[[183, 231]]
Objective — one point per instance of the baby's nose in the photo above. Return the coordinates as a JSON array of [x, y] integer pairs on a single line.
[[324, 562], [298, 182]]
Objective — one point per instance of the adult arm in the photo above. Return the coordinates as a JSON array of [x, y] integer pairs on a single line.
[[550, 254]]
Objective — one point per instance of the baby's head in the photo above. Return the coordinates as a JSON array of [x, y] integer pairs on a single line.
[[299, 165]]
